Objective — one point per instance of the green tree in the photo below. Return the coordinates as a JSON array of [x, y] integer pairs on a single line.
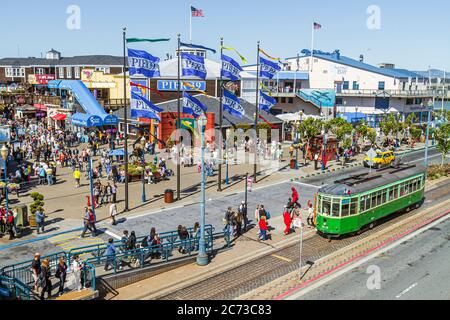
[[372, 136], [309, 129], [442, 136]]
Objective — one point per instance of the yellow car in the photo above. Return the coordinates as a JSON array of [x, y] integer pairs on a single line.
[[383, 158]]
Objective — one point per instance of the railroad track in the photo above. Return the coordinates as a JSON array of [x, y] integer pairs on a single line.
[[245, 278]]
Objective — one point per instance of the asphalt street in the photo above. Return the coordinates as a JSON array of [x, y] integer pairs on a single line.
[[415, 270]]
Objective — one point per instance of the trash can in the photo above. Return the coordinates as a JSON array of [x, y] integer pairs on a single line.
[[293, 163], [168, 196]]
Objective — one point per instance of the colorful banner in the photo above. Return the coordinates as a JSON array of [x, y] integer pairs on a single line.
[[266, 102], [142, 62], [196, 46], [232, 104], [134, 40], [268, 69], [193, 66], [230, 69], [237, 52], [193, 106], [143, 108]]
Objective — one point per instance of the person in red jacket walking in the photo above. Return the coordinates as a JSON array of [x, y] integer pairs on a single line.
[[295, 197], [287, 221], [263, 228]]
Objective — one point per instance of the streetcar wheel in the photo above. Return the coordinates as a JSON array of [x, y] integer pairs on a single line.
[[372, 225], [329, 238], [408, 209]]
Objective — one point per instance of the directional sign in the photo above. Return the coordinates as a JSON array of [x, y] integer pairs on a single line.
[[371, 154]]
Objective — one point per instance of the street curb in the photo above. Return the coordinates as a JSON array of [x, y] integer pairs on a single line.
[[21, 243]]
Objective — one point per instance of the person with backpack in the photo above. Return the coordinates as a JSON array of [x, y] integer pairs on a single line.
[[243, 211], [61, 274]]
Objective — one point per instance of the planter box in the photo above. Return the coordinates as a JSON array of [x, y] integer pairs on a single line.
[[134, 178]]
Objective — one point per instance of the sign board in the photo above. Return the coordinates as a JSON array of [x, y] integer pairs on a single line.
[[172, 85], [371, 154], [5, 133], [249, 184]]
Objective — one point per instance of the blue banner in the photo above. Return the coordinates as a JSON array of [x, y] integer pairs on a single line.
[[142, 62], [266, 102], [232, 104], [268, 69], [192, 106], [230, 69], [139, 90], [143, 108], [193, 66], [172, 85]]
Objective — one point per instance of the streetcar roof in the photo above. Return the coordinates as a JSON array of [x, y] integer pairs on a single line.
[[365, 182]]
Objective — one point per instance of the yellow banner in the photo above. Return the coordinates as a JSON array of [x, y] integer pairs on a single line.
[[187, 84], [237, 52], [268, 56], [265, 88]]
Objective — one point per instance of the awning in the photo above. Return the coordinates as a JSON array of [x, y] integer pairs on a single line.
[[40, 107], [60, 117], [117, 153]]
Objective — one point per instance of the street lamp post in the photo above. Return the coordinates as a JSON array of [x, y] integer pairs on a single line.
[[91, 182], [143, 167], [111, 132], [227, 177], [430, 107], [4, 153], [202, 258]]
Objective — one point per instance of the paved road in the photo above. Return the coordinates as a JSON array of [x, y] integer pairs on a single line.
[[416, 269]]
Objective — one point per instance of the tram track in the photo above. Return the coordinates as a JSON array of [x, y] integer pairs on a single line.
[[240, 280]]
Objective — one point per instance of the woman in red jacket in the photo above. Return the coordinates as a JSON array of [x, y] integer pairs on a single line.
[[287, 221], [295, 197], [263, 228]]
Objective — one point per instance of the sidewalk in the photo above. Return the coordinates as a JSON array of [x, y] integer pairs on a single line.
[[245, 249]]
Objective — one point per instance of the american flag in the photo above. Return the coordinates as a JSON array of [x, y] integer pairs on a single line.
[[196, 12], [317, 26]]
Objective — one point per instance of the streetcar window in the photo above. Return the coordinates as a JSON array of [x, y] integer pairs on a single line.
[[391, 194], [326, 206], [336, 207], [363, 204], [374, 200], [368, 202], [354, 207], [345, 208]]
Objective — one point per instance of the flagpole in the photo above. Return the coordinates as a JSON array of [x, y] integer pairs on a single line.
[[255, 165], [312, 47], [125, 109], [179, 122], [443, 90], [190, 25], [220, 122]]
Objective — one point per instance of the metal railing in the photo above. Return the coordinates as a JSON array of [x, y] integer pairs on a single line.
[[98, 250], [17, 289], [404, 93]]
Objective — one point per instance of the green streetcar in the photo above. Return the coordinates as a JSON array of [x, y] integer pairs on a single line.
[[352, 204]]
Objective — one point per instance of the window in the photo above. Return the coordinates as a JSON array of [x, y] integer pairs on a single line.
[[409, 101], [354, 207], [381, 85], [355, 85], [15, 72], [345, 85], [326, 206], [291, 100], [362, 204], [40, 71], [69, 72], [77, 72], [345, 207], [105, 70], [336, 208], [61, 72], [339, 101], [283, 100]]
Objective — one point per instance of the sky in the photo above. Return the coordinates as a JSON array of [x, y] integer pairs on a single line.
[[411, 34]]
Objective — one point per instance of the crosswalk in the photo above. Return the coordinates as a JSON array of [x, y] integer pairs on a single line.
[[72, 240]]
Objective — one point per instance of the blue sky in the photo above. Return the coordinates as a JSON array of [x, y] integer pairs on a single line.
[[413, 34]]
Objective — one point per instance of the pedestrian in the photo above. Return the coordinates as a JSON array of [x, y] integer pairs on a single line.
[[184, 237], [295, 197], [10, 225], [113, 213], [243, 211], [40, 220], [61, 274], [114, 192], [263, 228], [287, 221], [310, 219], [77, 267], [297, 218], [316, 161], [111, 255], [86, 222], [36, 270], [45, 281], [77, 176], [92, 221], [227, 221], [196, 235]]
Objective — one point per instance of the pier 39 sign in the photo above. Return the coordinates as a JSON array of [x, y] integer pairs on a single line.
[[172, 85]]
